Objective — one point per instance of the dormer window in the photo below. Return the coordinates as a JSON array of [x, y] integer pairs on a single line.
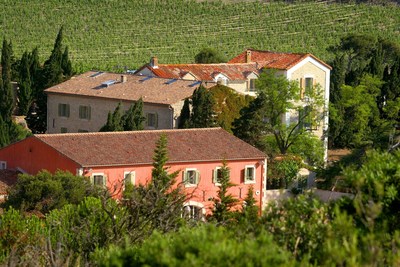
[[251, 85]]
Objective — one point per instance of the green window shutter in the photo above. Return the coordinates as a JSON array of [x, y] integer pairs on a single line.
[[156, 118], [67, 110], [184, 177]]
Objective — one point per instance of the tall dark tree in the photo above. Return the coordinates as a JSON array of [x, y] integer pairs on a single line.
[[184, 119], [4, 133], [66, 64], [52, 68], [133, 119], [376, 65], [25, 94], [202, 115], [6, 90]]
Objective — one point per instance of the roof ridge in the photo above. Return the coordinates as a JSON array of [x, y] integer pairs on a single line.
[[128, 132]]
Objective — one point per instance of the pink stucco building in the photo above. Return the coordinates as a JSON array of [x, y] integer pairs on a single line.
[[115, 158]]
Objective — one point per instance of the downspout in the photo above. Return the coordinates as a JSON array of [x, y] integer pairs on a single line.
[[264, 186]]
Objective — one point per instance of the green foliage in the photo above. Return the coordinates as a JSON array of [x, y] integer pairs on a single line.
[[224, 202], [299, 225], [158, 204], [25, 94], [377, 186], [133, 118], [202, 115], [4, 133], [184, 118], [201, 246], [282, 171], [45, 192], [209, 55], [228, 104], [6, 91]]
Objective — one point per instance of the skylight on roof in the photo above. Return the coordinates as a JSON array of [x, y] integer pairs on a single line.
[[145, 79], [96, 74], [108, 83], [171, 81], [195, 83]]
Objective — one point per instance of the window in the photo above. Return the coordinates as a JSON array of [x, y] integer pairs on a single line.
[[129, 178], [250, 174], [217, 175], [84, 112], [306, 117], [251, 85], [3, 165], [193, 212], [63, 110], [98, 179], [191, 177], [63, 130], [309, 83], [152, 120]]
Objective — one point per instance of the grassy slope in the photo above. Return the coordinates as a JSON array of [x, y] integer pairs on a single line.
[[103, 34]]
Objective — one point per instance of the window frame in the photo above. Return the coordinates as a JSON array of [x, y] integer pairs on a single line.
[[215, 176], [251, 85], [3, 163], [246, 180], [85, 112], [185, 177], [132, 178], [63, 110], [148, 114], [92, 179]]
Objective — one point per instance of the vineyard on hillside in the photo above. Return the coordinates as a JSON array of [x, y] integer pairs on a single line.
[[120, 33]]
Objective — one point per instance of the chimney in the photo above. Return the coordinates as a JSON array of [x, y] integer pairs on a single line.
[[154, 62], [123, 78], [248, 56]]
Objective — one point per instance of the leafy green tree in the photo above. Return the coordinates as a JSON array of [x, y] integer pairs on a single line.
[[203, 114], [276, 96], [25, 94], [133, 119], [206, 245], [45, 192], [209, 55], [224, 202], [6, 90], [184, 119]]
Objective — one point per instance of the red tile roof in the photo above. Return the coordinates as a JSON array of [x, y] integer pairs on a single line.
[[204, 72], [7, 179], [274, 60], [137, 147], [154, 90]]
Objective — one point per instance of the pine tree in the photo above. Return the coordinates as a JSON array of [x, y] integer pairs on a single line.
[[25, 95], [133, 119], [250, 209], [224, 201], [184, 119], [6, 90], [202, 115]]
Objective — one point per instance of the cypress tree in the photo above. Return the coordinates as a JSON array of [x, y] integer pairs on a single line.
[[376, 64], [203, 109], [133, 118], [114, 121], [52, 68], [4, 133], [184, 119], [66, 64], [6, 90], [25, 90]]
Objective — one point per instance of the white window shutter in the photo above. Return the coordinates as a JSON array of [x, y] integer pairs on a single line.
[[197, 177], [105, 180], [215, 175]]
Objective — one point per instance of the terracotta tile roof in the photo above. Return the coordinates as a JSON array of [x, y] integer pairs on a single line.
[[274, 60], [137, 147], [204, 72], [7, 179], [153, 90]]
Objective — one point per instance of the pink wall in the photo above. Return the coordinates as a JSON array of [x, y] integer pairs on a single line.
[[32, 155], [204, 191]]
